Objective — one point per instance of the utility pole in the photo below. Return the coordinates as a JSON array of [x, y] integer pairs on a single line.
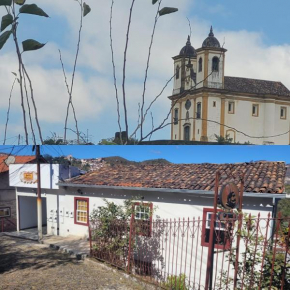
[[39, 206]]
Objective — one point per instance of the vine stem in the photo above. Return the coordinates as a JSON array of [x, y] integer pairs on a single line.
[[114, 73], [73, 77], [147, 68], [8, 110], [14, 31], [124, 70]]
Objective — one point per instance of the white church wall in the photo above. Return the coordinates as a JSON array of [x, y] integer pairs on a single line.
[[244, 121], [215, 79], [282, 125], [198, 123], [177, 82], [200, 75], [175, 127], [214, 114]]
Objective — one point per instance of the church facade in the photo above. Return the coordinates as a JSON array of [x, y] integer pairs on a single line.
[[206, 104]]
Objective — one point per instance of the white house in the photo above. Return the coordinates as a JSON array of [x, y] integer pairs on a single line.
[[174, 191], [177, 190], [206, 103]]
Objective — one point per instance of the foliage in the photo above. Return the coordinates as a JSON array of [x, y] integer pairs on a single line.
[[117, 141], [249, 267], [277, 271], [287, 188], [176, 282], [223, 140]]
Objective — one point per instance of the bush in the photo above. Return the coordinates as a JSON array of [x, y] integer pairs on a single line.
[[176, 282]]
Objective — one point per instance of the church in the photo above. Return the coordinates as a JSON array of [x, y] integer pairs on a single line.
[[206, 104]]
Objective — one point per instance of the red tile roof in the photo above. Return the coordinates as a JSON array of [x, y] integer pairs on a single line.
[[263, 177], [18, 160]]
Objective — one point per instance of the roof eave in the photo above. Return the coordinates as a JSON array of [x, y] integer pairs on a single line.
[[170, 190]]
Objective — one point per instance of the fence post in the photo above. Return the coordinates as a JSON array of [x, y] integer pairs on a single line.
[[90, 238], [286, 254], [210, 256], [130, 243], [240, 218]]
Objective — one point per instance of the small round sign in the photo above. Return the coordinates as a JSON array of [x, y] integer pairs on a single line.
[[229, 196]]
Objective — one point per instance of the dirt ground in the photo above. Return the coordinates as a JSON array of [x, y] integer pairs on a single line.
[[29, 265]]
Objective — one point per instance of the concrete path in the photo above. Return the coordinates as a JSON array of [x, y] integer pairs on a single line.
[[27, 264], [73, 245]]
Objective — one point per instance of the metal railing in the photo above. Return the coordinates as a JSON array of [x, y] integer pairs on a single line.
[[173, 253], [7, 225]]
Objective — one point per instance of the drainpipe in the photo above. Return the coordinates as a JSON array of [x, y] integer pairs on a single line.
[[39, 206]]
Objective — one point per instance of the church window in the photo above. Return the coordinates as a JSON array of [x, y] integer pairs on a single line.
[[198, 110], [215, 64], [214, 104], [177, 72], [231, 108], [187, 133], [255, 110], [175, 116], [200, 64], [283, 113]]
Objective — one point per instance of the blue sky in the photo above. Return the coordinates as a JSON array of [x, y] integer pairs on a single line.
[[255, 34], [175, 154]]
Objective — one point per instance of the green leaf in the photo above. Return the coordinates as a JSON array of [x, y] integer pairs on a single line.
[[6, 21], [31, 44], [19, 2], [167, 10], [87, 9], [5, 2], [154, 1], [32, 9], [4, 37]]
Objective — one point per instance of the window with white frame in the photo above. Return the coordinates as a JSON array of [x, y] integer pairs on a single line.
[[255, 110], [283, 113], [221, 239], [143, 218], [81, 211]]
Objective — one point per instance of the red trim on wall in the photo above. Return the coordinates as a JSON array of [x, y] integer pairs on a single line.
[[75, 210], [204, 220]]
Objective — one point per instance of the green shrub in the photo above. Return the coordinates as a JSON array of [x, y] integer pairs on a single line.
[[174, 282]]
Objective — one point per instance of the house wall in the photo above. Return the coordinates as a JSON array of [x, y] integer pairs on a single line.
[[50, 174], [60, 205]]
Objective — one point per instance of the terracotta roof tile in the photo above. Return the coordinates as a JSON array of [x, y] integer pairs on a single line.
[[18, 160], [259, 176]]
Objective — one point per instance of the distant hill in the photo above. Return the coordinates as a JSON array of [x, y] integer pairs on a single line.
[[114, 160]]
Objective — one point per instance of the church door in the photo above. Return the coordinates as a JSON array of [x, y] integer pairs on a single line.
[[186, 133]]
